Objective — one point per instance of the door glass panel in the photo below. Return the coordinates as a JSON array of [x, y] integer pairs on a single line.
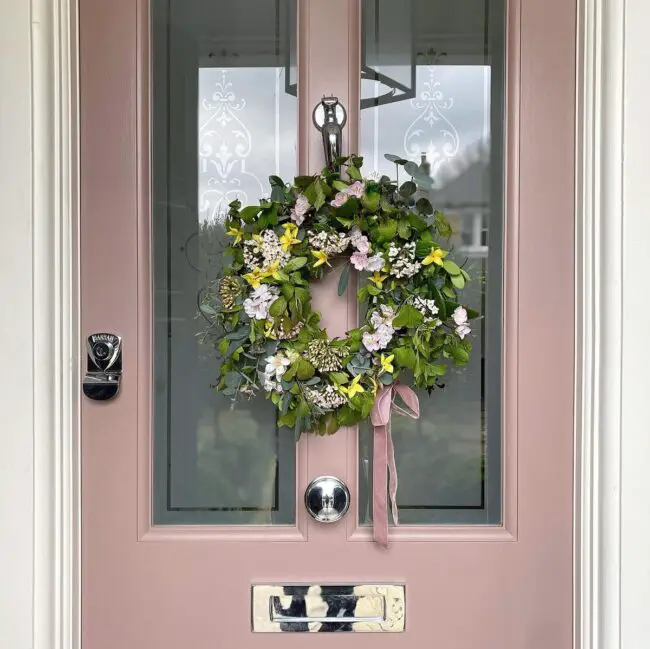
[[224, 116], [432, 88]]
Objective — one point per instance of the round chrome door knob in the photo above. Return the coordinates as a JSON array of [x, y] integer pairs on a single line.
[[327, 499]]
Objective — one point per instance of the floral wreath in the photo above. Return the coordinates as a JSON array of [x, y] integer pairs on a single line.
[[260, 316]]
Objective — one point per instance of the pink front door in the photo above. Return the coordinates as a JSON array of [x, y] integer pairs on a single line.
[[189, 503]]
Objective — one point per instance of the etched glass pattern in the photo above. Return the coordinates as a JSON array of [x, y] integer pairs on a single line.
[[448, 461], [222, 123]]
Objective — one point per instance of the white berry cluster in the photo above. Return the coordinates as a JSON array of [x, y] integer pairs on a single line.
[[402, 260], [264, 251], [428, 309], [252, 254], [327, 398], [277, 332], [331, 243]]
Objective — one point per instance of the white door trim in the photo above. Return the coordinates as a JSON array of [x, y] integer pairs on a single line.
[[599, 340], [601, 42], [57, 506]]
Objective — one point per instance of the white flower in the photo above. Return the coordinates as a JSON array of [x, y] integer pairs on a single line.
[[459, 315], [462, 330], [403, 262], [269, 385], [276, 366], [375, 263], [356, 189], [340, 199], [428, 309], [257, 305]]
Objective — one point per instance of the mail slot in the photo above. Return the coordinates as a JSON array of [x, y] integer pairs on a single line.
[[368, 608]]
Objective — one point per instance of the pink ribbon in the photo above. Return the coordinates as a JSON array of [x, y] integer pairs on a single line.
[[384, 471]]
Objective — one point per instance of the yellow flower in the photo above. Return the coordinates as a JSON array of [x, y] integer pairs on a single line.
[[353, 388], [378, 279], [387, 363], [255, 277], [237, 233], [273, 271], [268, 330], [288, 239], [435, 257], [321, 257]]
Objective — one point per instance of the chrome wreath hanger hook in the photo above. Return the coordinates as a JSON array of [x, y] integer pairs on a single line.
[[329, 118]]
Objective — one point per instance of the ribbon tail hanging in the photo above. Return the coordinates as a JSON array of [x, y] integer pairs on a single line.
[[384, 470], [380, 486]]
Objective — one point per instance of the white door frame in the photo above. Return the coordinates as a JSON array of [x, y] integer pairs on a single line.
[[608, 610]]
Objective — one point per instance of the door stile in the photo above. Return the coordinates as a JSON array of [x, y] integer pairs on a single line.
[[329, 63]]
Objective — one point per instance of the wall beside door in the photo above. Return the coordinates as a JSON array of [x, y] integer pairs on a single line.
[[16, 293], [37, 603]]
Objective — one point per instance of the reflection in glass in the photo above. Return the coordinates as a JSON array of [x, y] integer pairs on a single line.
[[448, 461], [222, 123]]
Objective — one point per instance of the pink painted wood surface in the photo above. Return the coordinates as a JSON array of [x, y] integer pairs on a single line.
[[505, 588]]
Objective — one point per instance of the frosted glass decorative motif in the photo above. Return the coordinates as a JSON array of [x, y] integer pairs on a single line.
[[447, 121], [246, 133]]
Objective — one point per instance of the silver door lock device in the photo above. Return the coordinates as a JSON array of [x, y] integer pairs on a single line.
[[104, 366]]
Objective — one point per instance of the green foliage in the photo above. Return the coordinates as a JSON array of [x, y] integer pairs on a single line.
[[343, 280], [408, 316], [406, 357]]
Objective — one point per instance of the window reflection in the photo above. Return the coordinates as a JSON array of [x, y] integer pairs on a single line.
[[448, 461], [222, 123]]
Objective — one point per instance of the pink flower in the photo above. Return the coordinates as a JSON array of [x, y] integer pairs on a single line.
[[460, 316], [378, 339], [375, 263], [359, 260], [302, 205], [462, 330], [300, 209], [363, 245], [356, 189], [339, 199], [371, 341], [298, 219], [359, 241]]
